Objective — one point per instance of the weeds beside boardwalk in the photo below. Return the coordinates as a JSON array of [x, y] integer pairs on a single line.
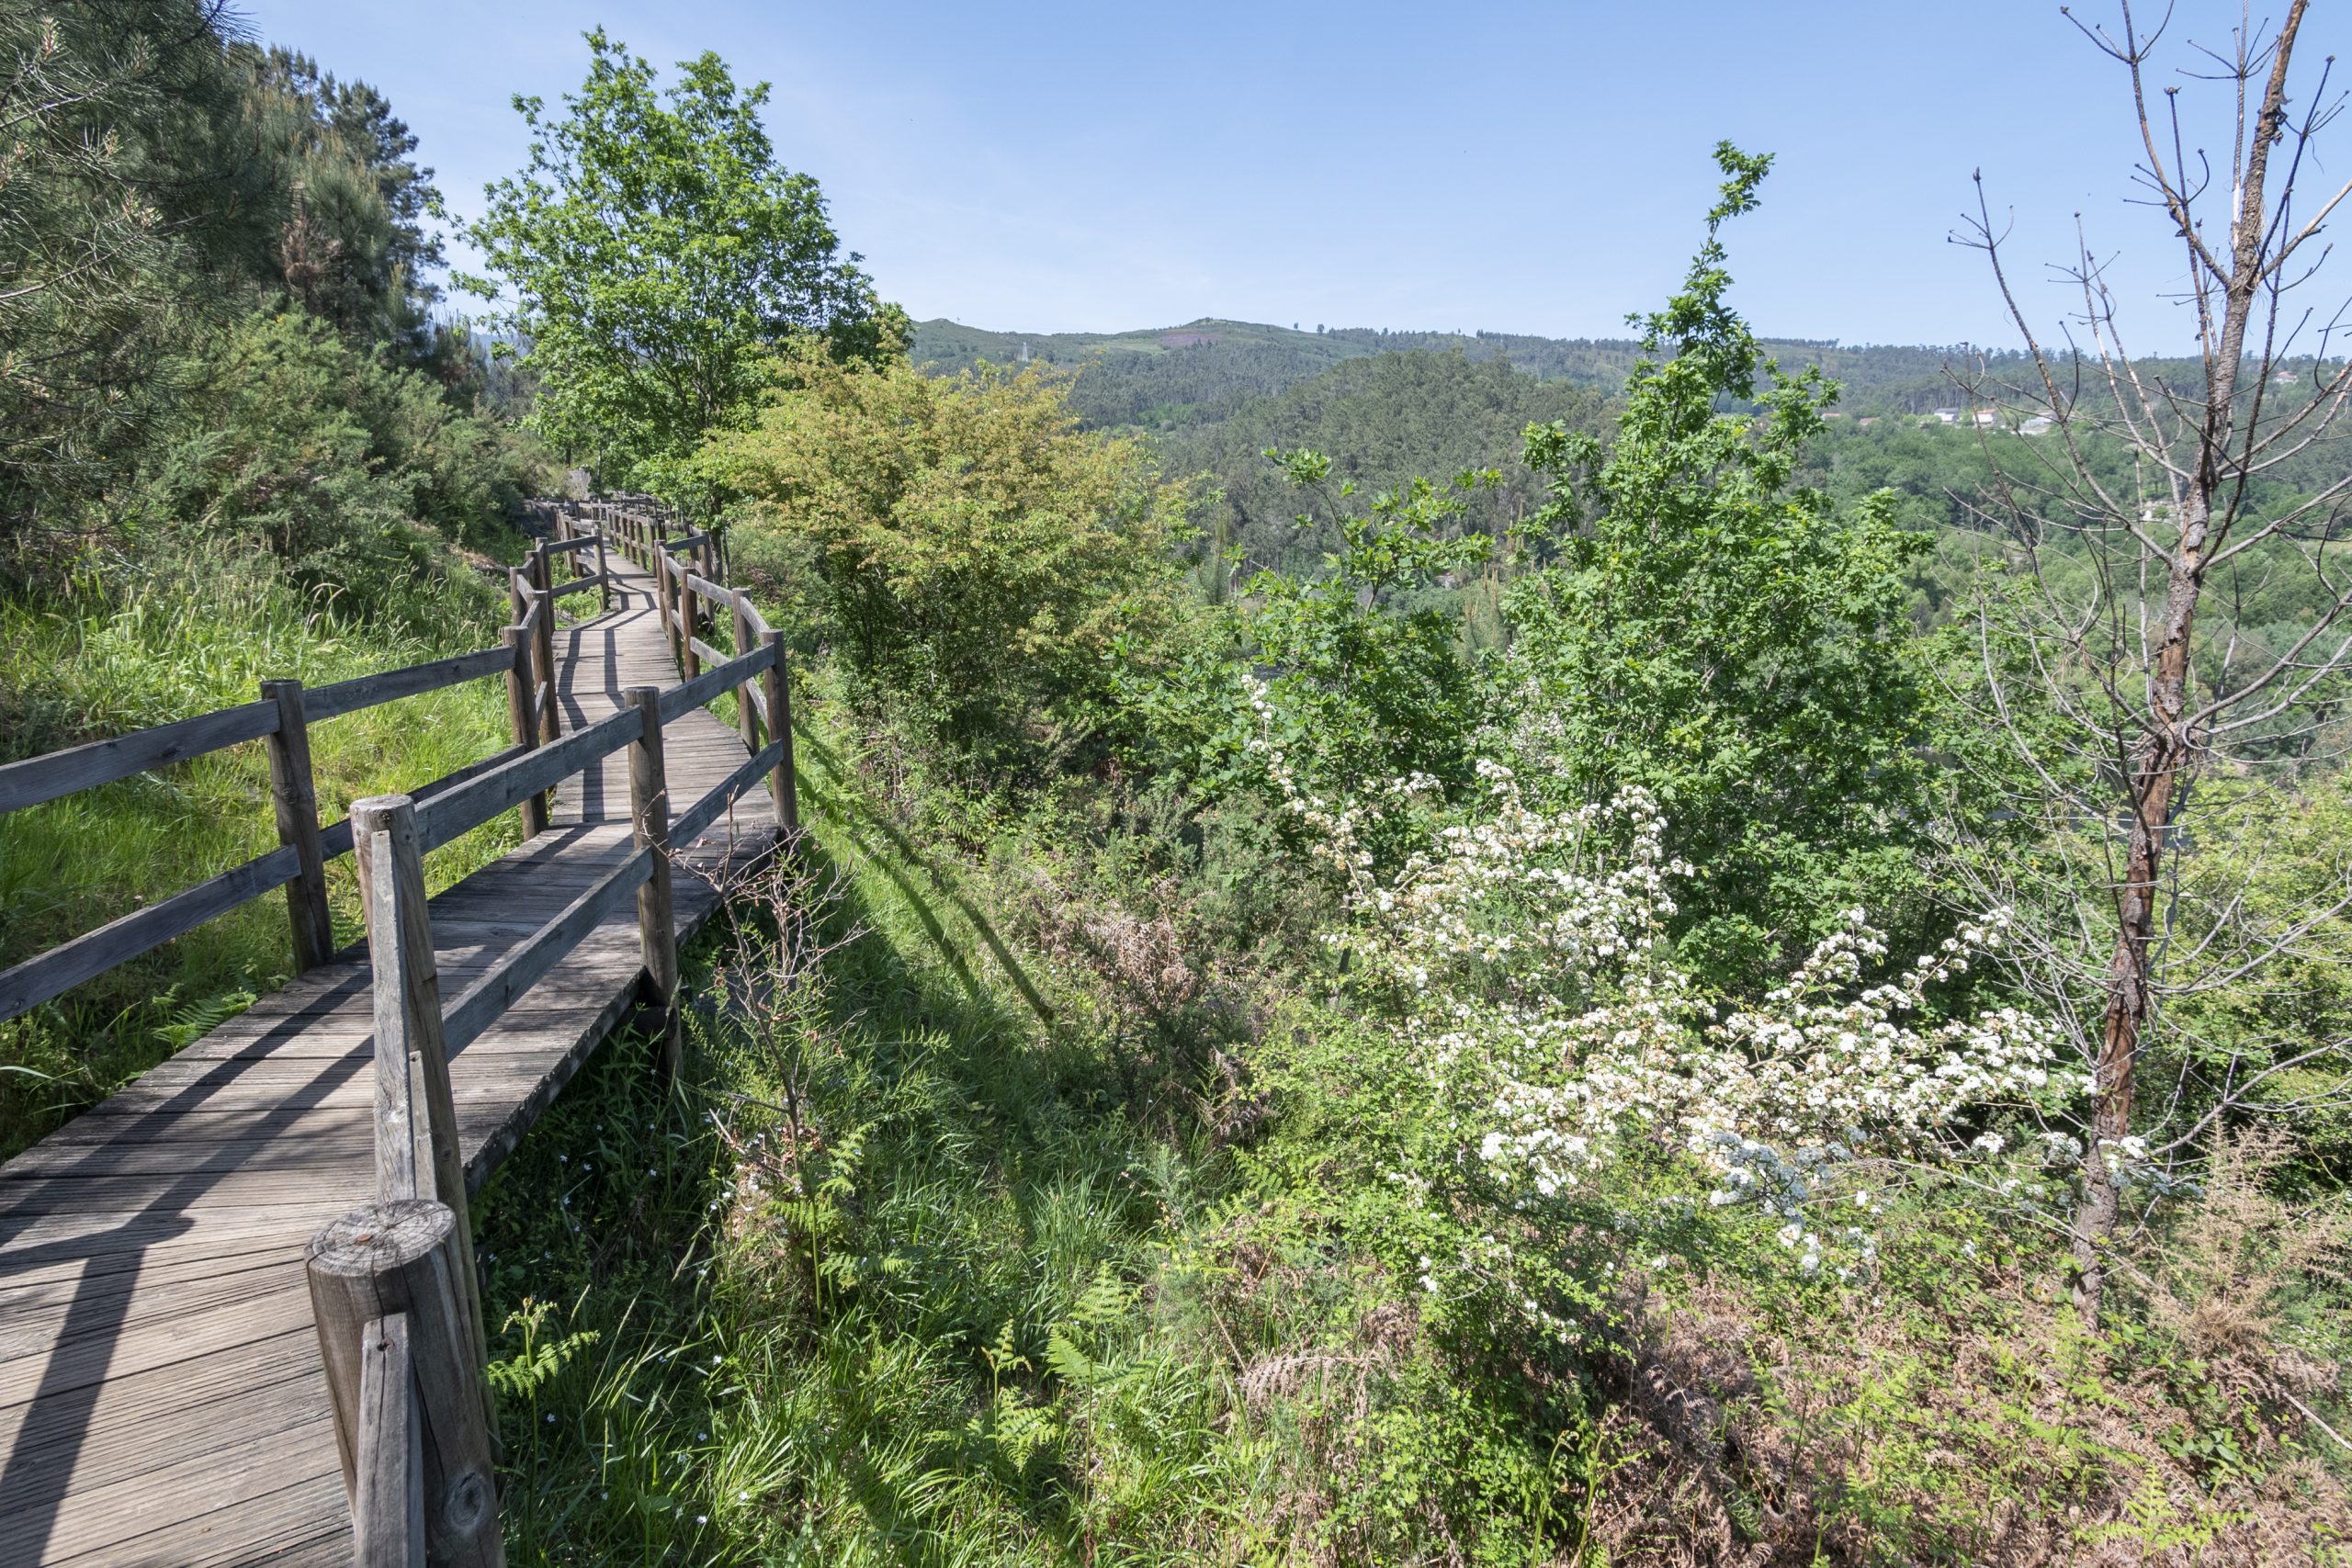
[[959, 1248]]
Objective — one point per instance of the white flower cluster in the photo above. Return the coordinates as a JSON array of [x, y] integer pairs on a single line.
[[1525, 957]]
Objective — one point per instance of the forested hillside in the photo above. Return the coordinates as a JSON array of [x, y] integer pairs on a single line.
[[1408, 949], [1166, 377]]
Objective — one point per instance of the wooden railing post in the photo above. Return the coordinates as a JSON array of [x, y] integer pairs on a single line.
[[665, 581], [523, 714], [688, 660], [550, 712], [415, 1156], [398, 1263], [604, 581], [746, 721], [387, 1440], [776, 686], [657, 933], [294, 796]]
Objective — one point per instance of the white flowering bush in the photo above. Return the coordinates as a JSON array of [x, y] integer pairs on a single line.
[[1524, 956]]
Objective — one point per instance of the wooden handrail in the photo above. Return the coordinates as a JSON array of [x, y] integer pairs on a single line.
[[703, 812], [336, 839], [682, 699], [390, 685], [45, 778], [38, 979], [479, 799], [491, 995]]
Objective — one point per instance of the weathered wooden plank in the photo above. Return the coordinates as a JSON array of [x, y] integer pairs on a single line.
[[492, 996], [387, 1493], [261, 1497], [62, 968], [37, 779], [86, 1361], [412, 680], [479, 799], [703, 812], [682, 699]]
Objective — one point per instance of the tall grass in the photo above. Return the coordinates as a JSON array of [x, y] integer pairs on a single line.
[[869, 1288], [109, 658]]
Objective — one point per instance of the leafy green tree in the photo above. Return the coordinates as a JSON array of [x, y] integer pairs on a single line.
[[117, 186], [658, 253], [975, 553], [1703, 628]]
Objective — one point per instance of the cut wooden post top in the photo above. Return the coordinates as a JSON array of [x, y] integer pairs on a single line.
[[381, 1238]]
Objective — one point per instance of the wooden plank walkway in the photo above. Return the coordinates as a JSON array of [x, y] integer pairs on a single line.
[[161, 1402]]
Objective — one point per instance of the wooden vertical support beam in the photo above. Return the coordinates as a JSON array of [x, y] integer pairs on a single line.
[[657, 931], [523, 714], [405, 984], [746, 721], [518, 592], [550, 714], [688, 660], [604, 579], [416, 1155], [665, 577], [782, 786], [387, 1488], [293, 795], [402, 1257]]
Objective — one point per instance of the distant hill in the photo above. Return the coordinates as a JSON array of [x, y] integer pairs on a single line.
[[1201, 371]]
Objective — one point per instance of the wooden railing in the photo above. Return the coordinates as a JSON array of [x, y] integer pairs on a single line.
[[395, 1287], [282, 717]]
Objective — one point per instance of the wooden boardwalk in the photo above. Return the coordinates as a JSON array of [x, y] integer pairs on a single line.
[[161, 1401]]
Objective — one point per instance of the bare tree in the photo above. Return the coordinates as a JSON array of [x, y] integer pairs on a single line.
[[2159, 492]]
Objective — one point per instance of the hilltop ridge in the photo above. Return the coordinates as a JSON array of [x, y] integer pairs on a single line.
[[1200, 371]]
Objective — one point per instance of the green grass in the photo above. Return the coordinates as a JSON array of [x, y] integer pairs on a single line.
[[105, 662], [919, 1333]]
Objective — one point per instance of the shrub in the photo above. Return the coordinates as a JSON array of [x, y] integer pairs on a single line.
[[976, 552]]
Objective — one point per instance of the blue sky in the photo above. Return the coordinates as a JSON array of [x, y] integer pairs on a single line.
[[1526, 168]]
